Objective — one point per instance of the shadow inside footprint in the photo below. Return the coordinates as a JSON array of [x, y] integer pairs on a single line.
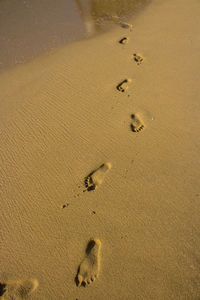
[[2, 288], [77, 281], [90, 185], [90, 245], [76, 278]]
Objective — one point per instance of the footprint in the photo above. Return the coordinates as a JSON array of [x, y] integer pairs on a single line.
[[116, 19], [18, 290], [126, 25], [89, 268], [138, 58], [123, 86], [94, 179], [65, 205], [124, 40], [137, 123]]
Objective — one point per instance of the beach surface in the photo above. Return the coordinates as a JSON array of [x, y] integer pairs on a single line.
[[100, 164]]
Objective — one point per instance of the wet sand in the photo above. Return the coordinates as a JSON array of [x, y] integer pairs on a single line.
[[100, 164], [31, 28]]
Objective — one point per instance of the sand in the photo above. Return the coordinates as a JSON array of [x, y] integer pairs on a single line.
[[31, 28], [62, 119]]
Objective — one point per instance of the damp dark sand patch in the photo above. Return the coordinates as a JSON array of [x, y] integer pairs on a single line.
[[29, 28]]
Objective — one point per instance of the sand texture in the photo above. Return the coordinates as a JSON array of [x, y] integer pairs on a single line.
[[87, 160]]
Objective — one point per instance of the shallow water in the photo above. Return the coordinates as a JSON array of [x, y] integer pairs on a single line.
[[29, 28]]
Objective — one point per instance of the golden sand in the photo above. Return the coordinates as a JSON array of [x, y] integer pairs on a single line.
[[62, 118]]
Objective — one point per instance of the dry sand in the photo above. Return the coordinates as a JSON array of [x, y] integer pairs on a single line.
[[62, 117]]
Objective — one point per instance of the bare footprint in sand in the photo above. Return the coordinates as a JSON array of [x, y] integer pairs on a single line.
[[89, 268], [123, 86], [17, 290], [126, 25], [117, 20], [124, 40], [137, 123], [94, 179], [138, 58]]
